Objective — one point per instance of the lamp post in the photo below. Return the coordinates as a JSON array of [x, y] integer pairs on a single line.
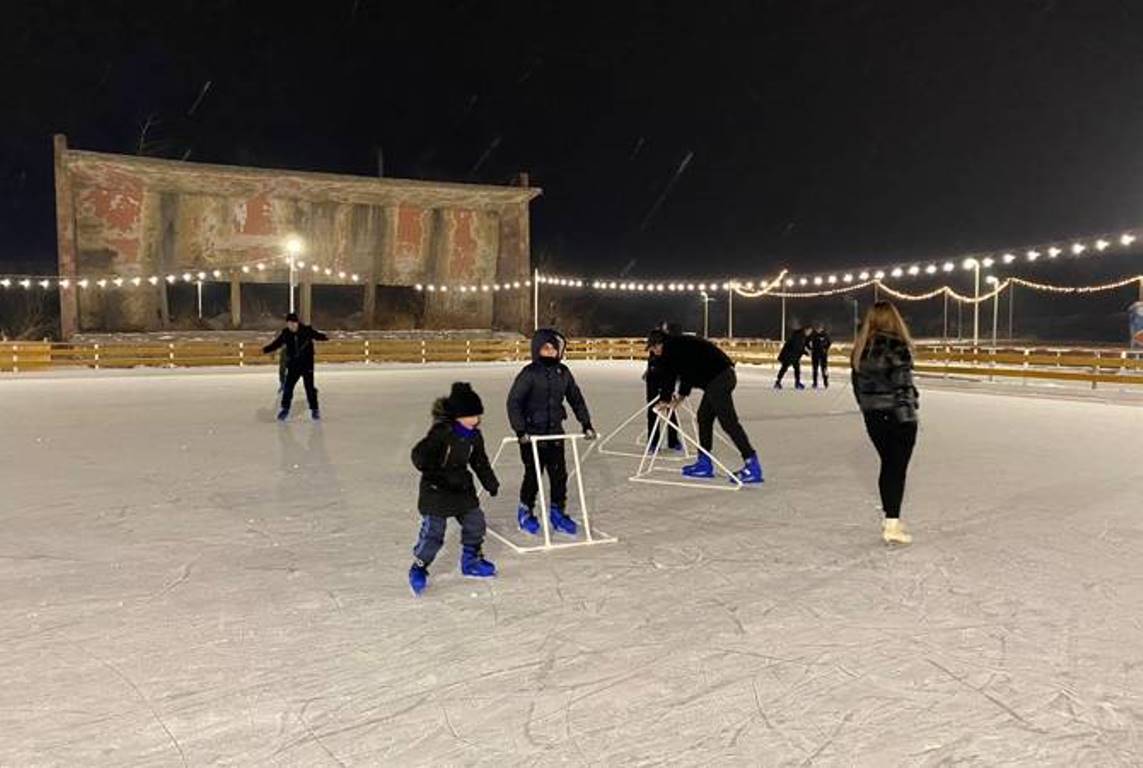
[[294, 247], [974, 265], [994, 282], [730, 309], [706, 300]]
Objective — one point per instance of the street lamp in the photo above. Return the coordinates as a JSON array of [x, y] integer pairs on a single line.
[[974, 265], [294, 248], [706, 300], [994, 282]]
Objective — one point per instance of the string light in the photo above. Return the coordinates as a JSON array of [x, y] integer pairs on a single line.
[[1126, 240], [1078, 248], [897, 272], [1033, 255], [1101, 245], [1009, 258], [1053, 252], [931, 269]]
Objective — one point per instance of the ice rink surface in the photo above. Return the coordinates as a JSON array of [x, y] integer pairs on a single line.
[[185, 582]]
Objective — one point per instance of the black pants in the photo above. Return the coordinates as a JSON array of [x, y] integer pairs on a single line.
[[307, 377], [718, 402], [431, 538], [652, 419], [554, 462], [796, 365], [821, 362], [894, 442]]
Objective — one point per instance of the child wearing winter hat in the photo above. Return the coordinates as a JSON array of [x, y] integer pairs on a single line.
[[443, 456]]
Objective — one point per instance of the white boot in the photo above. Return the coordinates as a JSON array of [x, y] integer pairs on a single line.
[[893, 532]]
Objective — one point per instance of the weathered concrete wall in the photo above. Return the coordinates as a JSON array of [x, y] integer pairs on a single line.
[[142, 217]]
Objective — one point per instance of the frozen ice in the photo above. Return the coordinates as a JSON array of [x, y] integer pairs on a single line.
[[185, 582]]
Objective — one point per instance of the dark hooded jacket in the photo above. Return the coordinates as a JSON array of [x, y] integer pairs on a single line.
[[444, 456], [536, 400], [820, 342], [298, 348], [883, 378], [691, 361], [794, 348]]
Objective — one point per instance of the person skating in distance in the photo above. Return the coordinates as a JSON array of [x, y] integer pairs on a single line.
[[536, 408], [660, 386], [791, 357], [883, 386], [453, 445], [695, 362], [820, 342], [297, 342]]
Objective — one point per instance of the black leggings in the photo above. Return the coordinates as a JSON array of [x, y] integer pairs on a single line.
[[554, 462], [796, 365], [821, 362], [307, 377], [894, 442], [718, 402]]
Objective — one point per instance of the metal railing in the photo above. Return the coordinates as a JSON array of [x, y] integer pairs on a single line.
[[1121, 367]]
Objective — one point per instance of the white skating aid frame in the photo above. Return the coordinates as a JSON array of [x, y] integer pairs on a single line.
[[603, 442], [590, 537], [648, 459]]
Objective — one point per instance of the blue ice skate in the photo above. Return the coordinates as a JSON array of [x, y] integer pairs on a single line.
[[562, 522], [703, 468], [751, 473], [527, 521], [418, 578], [474, 566]]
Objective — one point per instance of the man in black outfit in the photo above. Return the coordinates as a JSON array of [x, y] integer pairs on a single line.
[[820, 342], [297, 341], [695, 362], [791, 357]]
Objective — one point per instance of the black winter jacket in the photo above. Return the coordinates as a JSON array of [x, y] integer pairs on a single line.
[[820, 342], [660, 382], [298, 347], [692, 361], [443, 456], [883, 378], [794, 348], [536, 400]]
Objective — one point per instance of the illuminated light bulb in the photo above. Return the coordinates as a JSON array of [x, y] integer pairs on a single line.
[[201, 275], [726, 286], [863, 276], [418, 287], [991, 280], [6, 283], [485, 289], [988, 261], [802, 281], [1009, 258], [817, 281], [690, 286], [970, 263], [659, 287], [832, 279], [464, 289], [749, 285], [328, 271], [100, 283], [301, 265], [1033, 255], [432, 288], [187, 277], [623, 286], [612, 285], [790, 282], [931, 269], [82, 283], [246, 270], [444, 289], [948, 266], [879, 274], [354, 278], [527, 284], [496, 287], [316, 269], [341, 275], [1053, 252], [1127, 239], [136, 281], [702, 286], [65, 283], [897, 272], [914, 270], [45, 283], [848, 278], [1078, 248], [26, 284], [217, 273]]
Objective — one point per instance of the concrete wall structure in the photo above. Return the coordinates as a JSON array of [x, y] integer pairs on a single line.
[[136, 217]]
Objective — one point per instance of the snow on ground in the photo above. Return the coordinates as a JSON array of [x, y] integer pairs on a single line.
[[184, 582]]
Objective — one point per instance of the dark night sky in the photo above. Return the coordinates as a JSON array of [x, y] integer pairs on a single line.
[[824, 132]]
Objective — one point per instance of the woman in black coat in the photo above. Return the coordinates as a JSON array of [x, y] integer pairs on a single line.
[[883, 385]]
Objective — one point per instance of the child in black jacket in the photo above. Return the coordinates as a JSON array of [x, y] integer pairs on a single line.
[[443, 456], [536, 407]]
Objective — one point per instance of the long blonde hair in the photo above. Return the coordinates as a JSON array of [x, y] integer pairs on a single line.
[[882, 317]]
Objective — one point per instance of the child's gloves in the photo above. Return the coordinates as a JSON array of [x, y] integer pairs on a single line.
[[589, 434], [524, 438]]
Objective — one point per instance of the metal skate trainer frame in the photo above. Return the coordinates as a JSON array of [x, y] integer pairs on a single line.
[[602, 448], [649, 458], [590, 537]]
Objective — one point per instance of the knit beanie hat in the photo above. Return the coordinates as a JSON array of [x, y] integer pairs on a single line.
[[463, 401]]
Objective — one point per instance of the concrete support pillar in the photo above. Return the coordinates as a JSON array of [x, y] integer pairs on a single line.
[[512, 309], [235, 303], [65, 241]]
